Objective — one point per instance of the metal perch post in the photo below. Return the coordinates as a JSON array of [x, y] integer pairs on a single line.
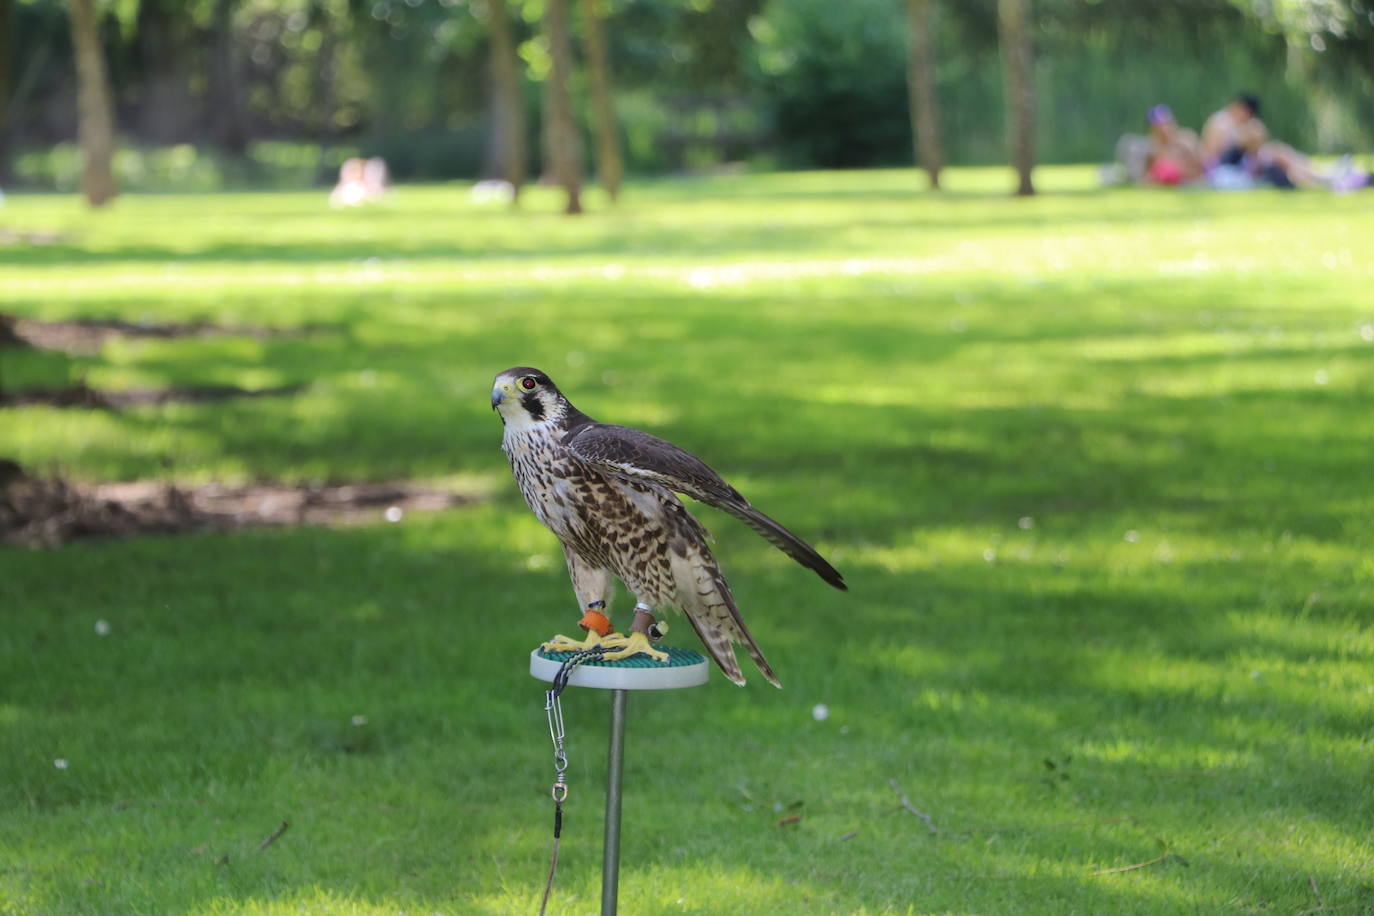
[[685, 668]]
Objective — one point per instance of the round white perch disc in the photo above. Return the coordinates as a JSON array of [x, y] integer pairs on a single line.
[[684, 668]]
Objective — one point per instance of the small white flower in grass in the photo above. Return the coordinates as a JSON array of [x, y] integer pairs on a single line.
[[102, 628], [359, 721], [1132, 536], [395, 513], [820, 712], [1367, 332], [1025, 523], [990, 555], [537, 561], [1321, 376], [60, 763]]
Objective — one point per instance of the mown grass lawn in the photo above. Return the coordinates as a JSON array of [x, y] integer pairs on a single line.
[[1096, 465]]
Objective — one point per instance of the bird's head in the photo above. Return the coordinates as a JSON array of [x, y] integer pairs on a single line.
[[526, 396]]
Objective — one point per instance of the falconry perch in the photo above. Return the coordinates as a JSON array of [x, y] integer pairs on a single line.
[[609, 494]]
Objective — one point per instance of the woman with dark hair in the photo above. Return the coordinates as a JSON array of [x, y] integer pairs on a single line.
[[1237, 153]]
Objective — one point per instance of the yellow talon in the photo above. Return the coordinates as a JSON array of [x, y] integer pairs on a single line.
[[561, 643], [634, 644]]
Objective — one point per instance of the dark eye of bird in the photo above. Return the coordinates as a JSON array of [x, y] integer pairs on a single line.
[[528, 383]]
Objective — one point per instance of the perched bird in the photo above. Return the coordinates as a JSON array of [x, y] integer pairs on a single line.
[[609, 494]]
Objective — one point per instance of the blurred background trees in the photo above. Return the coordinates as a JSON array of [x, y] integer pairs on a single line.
[[1018, 88], [95, 125], [920, 87], [208, 93]]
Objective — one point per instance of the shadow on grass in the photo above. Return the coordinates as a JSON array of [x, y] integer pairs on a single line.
[[345, 693], [372, 391]]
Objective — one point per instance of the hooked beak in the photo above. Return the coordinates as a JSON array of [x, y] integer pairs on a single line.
[[497, 396]]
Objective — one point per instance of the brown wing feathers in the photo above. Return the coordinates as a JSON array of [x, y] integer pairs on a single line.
[[632, 453]]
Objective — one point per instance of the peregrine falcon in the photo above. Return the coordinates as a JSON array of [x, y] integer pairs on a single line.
[[609, 494]]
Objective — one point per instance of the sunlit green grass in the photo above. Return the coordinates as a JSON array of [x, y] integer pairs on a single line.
[[1095, 465]]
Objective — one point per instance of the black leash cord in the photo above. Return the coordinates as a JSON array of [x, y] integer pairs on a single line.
[[554, 709]]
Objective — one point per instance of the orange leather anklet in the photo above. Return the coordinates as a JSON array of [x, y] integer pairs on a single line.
[[595, 620]]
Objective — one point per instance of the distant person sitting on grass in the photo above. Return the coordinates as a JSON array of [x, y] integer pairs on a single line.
[[1174, 155], [1238, 154], [360, 182], [1234, 132], [376, 178]]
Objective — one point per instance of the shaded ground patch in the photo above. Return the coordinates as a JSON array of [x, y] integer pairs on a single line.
[[50, 511], [87, 335], [22, 237], [82, 395]]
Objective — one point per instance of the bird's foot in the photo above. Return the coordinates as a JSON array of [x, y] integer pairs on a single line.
[[561, 643], [634, 644]]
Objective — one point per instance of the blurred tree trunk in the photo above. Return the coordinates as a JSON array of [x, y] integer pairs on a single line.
[[226, 102], [563, 148], [608, 163], [920, 83], [507, 113], [1018, 80], [166, 48], [95, 119], [6, 61]]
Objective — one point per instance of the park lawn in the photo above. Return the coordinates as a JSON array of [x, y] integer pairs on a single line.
[[1095, 466]]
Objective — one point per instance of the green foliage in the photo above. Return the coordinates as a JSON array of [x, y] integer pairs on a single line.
[[1102, 88], [430, 153], [265, 164], [835, 74], [701, 82], [685, 47], [833, 77], [1093, 464]]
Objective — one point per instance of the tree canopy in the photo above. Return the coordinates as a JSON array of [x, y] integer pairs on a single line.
[[697, 82]]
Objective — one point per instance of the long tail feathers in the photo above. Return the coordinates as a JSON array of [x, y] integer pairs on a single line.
[[785, 541], [711, 609]]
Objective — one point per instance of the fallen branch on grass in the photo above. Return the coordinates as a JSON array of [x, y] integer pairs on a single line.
[[276, 834], [972, 831], [906, 803], [1160, 860], [1321, 906]]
